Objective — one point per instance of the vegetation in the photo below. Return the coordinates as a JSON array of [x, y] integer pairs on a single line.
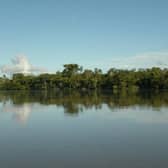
[[74, 77]]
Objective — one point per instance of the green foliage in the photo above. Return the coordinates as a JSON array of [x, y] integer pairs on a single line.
[[71, 69], [74, 77]]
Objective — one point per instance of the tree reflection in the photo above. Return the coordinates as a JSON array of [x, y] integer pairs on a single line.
[[21, 103]]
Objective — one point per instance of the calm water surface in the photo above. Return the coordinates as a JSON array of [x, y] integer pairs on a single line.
[[58, 130]]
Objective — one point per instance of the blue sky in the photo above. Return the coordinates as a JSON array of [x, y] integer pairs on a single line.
[[92, 33]]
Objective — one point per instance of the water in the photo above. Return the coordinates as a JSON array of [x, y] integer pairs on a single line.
[[42, 129]]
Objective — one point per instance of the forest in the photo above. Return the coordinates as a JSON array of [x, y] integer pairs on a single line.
[[75, 77]]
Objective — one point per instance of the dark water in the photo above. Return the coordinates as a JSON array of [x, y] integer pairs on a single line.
[[58, 130]]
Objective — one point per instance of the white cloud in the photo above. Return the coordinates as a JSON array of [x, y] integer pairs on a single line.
[[144, 60], [147, 60], [21, 64]]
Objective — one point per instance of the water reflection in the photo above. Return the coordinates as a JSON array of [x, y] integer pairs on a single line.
[[21, 104], [20, 112], [75, 129]]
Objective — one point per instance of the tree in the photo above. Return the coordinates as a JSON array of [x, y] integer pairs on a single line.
[[71, 69]]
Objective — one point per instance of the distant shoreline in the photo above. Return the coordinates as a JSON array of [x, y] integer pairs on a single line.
[[73, 77]]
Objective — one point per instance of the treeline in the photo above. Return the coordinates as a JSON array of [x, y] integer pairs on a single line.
[[74, 77]]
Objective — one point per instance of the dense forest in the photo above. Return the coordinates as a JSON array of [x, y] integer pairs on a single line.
[[75, 77]]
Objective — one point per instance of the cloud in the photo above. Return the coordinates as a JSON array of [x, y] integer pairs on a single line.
[[144, 60], [21, 64], [147, 60]]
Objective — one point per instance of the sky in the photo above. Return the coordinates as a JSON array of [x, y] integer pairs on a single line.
[[92, 33]]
